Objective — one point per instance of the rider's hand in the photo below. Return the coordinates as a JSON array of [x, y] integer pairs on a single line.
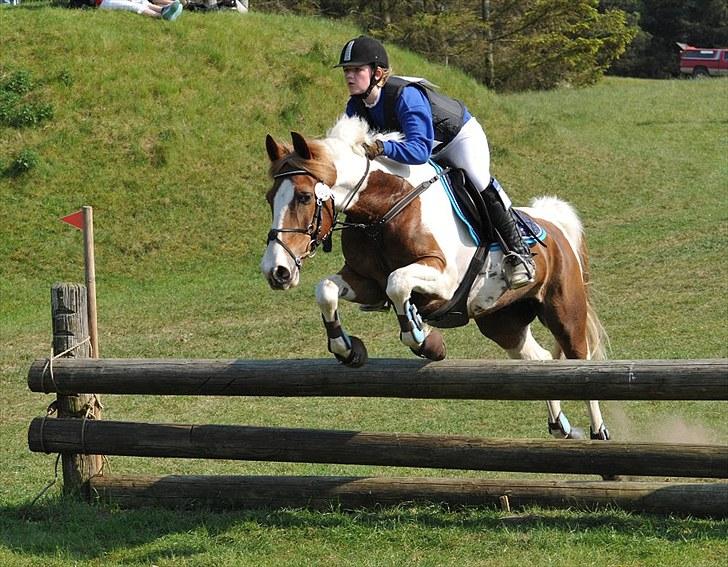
[[376, 148]]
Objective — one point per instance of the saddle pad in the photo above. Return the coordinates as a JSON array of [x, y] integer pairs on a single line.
[[528, 228], [526, 225]]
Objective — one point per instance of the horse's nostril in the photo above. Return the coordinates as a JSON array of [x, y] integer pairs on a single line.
[[282, 274]]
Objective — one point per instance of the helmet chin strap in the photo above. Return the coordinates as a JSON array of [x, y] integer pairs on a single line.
[[372, 83]]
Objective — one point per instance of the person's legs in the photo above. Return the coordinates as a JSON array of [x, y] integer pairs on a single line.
[[137, 6], [469, 151]]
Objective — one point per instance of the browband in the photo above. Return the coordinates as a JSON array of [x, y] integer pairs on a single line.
[[293, 172]]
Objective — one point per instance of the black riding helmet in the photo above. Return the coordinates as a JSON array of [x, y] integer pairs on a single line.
[[363, 50]]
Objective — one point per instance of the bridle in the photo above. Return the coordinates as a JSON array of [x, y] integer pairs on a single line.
[[313, 230]]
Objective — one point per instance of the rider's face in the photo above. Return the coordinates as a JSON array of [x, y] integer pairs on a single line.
[[357, 79]]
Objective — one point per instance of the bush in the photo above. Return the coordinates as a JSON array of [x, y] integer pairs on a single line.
[[16, 113], [26, 160]]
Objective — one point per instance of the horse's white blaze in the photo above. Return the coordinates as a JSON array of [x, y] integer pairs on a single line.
[[275, 255]]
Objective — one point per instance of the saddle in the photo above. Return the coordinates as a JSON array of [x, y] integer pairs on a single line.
[[470, 208]]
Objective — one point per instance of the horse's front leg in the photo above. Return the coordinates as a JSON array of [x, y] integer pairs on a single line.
[[346, 285], [424, 277]]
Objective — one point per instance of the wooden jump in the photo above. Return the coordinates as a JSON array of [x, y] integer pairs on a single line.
[[391, 378], [384, 449], [80, 436], [351, 493]]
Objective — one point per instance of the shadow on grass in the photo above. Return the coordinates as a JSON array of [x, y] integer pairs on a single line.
[[67, 528]]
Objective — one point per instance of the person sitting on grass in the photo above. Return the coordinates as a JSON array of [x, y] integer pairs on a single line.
[[165, 9]]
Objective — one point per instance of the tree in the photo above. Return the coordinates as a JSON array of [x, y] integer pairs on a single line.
[[508, 44], [545, 43]]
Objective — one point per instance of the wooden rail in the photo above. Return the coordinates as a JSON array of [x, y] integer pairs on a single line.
[[76, 435], [450, 379], [385, 449], [236, 492]]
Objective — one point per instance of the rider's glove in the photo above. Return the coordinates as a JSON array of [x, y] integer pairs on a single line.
[[376, 148]]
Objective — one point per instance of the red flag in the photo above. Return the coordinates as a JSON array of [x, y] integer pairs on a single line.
[[75, 219]]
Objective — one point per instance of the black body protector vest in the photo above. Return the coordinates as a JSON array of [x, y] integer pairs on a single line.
[[447, 113]]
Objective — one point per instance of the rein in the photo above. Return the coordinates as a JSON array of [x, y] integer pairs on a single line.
[[373, 230]]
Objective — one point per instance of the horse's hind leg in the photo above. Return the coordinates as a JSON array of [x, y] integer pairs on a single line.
[[598, 428], [510, 328], [566, 316]]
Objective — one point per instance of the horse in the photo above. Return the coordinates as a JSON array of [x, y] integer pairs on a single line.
[[404, 245]]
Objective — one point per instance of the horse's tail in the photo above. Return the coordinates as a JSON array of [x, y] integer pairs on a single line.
[[597, 339], [565, 217]]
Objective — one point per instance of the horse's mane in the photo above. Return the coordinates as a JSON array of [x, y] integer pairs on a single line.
[[349, 133], [354, 131]]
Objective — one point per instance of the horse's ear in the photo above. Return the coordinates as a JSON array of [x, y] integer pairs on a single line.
[[300, 145], [275, 150]]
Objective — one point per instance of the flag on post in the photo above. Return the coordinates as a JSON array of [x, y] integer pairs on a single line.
[[84, 221], [75, 219]]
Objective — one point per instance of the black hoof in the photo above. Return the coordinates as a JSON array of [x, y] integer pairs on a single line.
[[601, 435], [358, 355], [612, 477], [433, 347]]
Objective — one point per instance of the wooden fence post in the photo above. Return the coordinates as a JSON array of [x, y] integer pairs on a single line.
[[69, 310]]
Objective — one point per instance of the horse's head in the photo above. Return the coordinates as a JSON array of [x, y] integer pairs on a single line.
[[302, 205]]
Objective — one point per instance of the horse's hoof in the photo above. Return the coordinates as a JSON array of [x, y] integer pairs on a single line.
[[601, 435], [612, 477], [358, 355], [433, 347]]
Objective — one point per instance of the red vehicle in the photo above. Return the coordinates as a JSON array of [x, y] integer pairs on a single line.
[[703, 62]]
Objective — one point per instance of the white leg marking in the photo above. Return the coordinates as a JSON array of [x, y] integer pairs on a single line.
[[328, 292], [554, 409], [529, 349], [595, 415], [417, 277], [327, 297]]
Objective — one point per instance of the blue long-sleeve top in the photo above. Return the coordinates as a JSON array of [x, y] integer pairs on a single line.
[[414, 113]]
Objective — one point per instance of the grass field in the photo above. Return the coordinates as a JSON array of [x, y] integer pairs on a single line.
[[161, 129]]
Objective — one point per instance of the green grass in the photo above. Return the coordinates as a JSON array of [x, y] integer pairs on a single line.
[[160, 127]]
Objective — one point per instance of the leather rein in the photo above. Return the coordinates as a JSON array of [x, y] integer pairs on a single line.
[[313, 231]]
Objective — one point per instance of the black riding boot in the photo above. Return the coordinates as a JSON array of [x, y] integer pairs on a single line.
[[518, 266]]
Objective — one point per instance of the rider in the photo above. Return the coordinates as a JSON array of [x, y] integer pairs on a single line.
[[434, 126]]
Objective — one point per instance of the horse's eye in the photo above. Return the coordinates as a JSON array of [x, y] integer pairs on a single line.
[[304, 198]]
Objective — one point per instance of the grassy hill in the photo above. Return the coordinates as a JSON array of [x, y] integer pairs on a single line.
[[160, 127]]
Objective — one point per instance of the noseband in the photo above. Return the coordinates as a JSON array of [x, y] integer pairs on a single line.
[[313, 231]]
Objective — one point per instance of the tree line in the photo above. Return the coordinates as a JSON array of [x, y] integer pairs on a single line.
[[535, 44]]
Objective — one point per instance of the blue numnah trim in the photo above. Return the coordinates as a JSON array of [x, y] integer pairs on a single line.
[[445, 180], [521, 218]]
